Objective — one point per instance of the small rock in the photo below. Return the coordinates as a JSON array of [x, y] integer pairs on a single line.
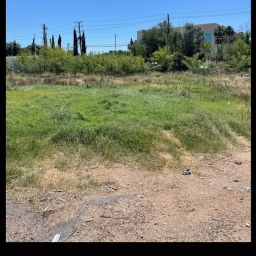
[[247, 225], [238, 162], [186, 172], [236, 179], [74, 196], [227, 188]]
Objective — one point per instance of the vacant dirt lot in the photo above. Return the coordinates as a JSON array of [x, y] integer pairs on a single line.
[[211, 204]]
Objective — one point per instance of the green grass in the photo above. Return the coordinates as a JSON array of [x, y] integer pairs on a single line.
[[121, 123]]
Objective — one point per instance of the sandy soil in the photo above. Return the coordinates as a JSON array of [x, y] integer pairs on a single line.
[[211, 204]]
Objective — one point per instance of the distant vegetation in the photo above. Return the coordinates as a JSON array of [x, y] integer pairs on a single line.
[[186, 51]]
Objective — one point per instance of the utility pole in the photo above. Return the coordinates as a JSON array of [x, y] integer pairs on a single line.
[[44, 35], [115, 43], [168, 31], [79, 37]]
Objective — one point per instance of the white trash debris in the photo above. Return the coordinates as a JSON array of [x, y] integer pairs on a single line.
[[56, 238]]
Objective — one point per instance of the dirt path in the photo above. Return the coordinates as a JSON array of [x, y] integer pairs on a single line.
[[211, 204]]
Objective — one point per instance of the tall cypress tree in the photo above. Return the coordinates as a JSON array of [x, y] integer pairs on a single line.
[[75, 46], [59, 41], [14, 48], [53, 43], [9, 49], [33, 47], [83, 50]]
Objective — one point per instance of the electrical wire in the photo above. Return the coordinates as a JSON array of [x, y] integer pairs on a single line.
[[99, 27]]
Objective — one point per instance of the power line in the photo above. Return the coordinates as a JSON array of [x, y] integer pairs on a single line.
[[155, 15], [121, 25], [161, 14], [213, 15]]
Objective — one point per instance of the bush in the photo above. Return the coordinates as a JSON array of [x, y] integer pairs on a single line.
[[163, 58], [237, 55], [239, 63], [58, 61], [194, 64], [177, 62]]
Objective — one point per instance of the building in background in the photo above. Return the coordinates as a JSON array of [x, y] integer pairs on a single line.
[[207, 28]]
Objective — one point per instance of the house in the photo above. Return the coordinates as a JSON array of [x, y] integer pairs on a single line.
[[207, 28]]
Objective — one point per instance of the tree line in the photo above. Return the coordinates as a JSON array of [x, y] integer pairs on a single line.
[[162, 48]]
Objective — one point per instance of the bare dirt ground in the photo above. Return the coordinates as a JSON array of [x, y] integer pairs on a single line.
[[212, 204]]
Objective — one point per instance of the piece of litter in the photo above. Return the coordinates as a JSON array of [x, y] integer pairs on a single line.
[[186, 172], [56, 238], [248, 189]]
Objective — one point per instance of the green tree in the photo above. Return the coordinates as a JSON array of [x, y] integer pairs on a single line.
[[75, 44], [53, 43], [176, 41], [83, 49], [16, 48], [219, 33], [130, 45], [163, 58], [155, 37], [176, 63], [59, 41], [9, 49], [191, 40], [33, 47], [245, 36], [138, 49], [205, 50], [229, 34], [237, 55]]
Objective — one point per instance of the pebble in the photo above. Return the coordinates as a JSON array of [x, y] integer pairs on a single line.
[[238, 162], [247, 225], [237, 179]]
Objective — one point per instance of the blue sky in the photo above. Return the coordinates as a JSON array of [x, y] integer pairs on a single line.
[[102, 19]]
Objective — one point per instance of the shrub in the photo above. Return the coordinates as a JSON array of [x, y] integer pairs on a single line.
[[163, 57], [194, 64], [177, 62]]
